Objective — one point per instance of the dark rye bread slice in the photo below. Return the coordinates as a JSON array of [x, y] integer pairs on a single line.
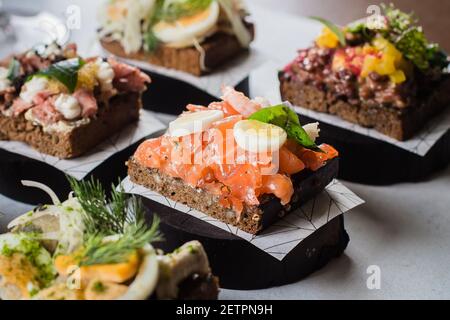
[[395, 123], [253, 219], [219, 48], [121, 110]]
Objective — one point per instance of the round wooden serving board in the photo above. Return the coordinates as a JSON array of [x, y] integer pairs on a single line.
[[238, 263]]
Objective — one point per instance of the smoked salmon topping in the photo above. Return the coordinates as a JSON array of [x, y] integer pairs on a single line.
[[212, 160]]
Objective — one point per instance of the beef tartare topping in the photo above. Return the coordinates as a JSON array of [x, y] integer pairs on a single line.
[[373, 63]]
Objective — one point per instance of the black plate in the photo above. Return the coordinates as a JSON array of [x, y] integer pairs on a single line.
[[171, 96], [239, 264], [370, 161], [15, 167]]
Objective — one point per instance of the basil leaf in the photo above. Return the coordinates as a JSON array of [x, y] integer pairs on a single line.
[[284, 117], [334, 28], [13, 70], [65, 72]]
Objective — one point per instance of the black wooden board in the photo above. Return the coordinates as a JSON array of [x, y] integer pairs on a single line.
[[15, 167], [171, 96], [239, 264], [370, 161]]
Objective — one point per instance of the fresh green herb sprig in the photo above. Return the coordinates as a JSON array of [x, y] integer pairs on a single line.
[[103, 217], [65, 71], [284, 117], [402, 30], [151, 42], [409, 38], [96, 251], [121, 216]]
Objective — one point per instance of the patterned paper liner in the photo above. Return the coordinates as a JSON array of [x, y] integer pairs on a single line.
[[282, 237], [81, 166], [420, 144]]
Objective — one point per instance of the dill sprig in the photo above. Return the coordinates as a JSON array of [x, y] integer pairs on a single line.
[[98, 251], [103, 217], [122, 217]]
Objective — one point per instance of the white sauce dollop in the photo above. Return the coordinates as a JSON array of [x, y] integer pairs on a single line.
[[105, 75], [33, 87], [68, 106], [4, 81]]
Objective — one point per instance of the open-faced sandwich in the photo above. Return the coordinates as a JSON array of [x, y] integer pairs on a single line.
[[62, 104], [194, 36], [380, 73], [238, 160], [88, 249]]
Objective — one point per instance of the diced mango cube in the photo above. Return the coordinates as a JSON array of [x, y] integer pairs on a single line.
[[398, 77], [386, 65], [327, 39], [370, 64]]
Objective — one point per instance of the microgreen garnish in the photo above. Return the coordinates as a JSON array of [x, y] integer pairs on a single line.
[[403, 31]]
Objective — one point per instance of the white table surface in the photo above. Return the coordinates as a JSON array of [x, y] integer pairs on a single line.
[[402, 229]]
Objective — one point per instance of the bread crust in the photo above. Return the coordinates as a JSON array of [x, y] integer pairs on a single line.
[[120, 111], [253, 219], [395, 123], [219, 48]]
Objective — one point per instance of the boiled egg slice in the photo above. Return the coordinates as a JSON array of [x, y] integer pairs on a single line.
[[194, 122], [188, 28], [256, 136]]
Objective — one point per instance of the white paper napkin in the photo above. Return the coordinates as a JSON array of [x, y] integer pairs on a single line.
[[282, 237], [81, 166]]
